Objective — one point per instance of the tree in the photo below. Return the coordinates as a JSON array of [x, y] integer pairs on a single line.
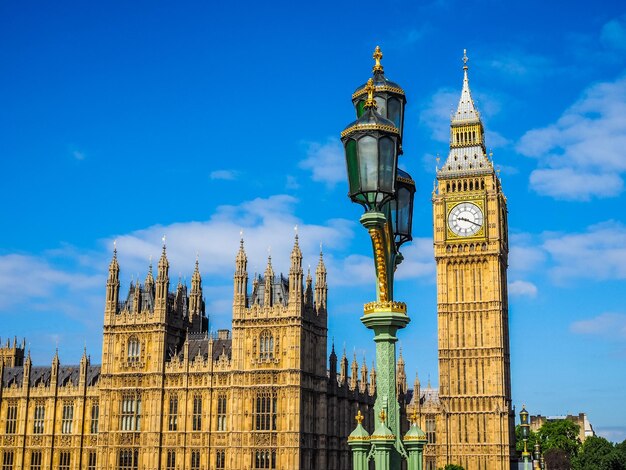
[[560, 434], [557, 459], [598, 453], [453, 467]]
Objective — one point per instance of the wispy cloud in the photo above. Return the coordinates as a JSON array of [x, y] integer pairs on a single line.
[[605, 325], [521, 65], [580, 156], [522, 289], [614, 33], [227, 175], [78, 155], [325, 161]]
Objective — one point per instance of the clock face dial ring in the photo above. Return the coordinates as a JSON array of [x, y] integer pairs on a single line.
[[465, 219]]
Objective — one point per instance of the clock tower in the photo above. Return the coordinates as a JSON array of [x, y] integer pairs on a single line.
[[475, 428]]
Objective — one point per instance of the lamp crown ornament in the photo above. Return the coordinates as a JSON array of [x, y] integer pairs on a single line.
[[359, 417], [370, 102], [377, 56]]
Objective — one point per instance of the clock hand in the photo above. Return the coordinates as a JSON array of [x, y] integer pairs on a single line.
[[468, 220]]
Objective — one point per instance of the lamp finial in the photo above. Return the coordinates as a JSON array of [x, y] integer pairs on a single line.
[[377, 56]]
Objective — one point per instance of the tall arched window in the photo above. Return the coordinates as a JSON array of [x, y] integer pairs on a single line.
[[266, 345], [134, 349]]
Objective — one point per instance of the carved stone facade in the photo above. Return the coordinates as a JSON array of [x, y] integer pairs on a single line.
[[169, 395]]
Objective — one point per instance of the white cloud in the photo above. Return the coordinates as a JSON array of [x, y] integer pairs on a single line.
[[436, 113], [581, 155], [599, 253], [25, 278], [227, 175], [522, 288], [571, 184], [78, 155], [606, 325], [418, 259], [326, 162]]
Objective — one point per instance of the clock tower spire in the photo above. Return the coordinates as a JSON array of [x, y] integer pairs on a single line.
[[476, 426]]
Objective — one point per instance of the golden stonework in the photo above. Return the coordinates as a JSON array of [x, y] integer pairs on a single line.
[[388, 306]]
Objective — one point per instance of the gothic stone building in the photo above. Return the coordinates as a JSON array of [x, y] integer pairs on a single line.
[[469, 420], [169, 395]]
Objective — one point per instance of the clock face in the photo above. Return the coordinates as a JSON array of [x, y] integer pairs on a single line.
[[465, 219]]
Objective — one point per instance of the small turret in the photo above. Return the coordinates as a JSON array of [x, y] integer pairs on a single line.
[[343, 368], [113, 283], [308, 292], [269, 277], [162, 281], [417, 394], [295, 274], [363, 383], [354, 376], [241, 277], [401, 383], [148, 285], [196, 308], [372, 387], [332, 363], [321, 288]]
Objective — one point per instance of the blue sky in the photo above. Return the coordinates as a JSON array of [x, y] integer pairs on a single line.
[[128, 121]]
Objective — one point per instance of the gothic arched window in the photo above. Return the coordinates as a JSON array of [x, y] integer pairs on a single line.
[[134, 349], [266, 345]]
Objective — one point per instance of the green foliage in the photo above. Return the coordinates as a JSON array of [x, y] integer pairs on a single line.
[[557, 459], [453, 467], [560, 434], [598, 453]]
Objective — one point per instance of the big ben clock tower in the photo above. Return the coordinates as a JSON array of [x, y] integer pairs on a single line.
[[475, 428]]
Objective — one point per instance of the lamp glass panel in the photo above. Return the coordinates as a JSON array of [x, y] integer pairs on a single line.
[[394, 110], [387, 162], [368, 163], [403, 198], [360, 107], [381, 105], [353, 166]]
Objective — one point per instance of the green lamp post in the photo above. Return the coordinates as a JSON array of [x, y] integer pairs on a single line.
[[372, 144], [525, 434]]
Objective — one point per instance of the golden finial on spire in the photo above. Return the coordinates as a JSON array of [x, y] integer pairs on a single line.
[[377, 56], [359, 417], [382, 415], [371, 102], [414, 416], [465, 59]]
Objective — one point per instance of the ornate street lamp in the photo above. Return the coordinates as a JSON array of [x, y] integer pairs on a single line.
[[538, 456], [525, 434], [372, 144]]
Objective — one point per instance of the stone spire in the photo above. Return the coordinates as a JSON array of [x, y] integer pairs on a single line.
[[195, 298], [417, 393], [363, 379], [295, 273], [163, 280], [241, 276], [401, 383], [113, 283], [269, 278], [308, 292], [468, 155], [148, 284], [354, 375], [332, 363], [372, 385], [343, 368], [321, 288]]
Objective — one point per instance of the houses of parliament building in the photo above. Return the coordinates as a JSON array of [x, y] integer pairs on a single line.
[[264, 395]]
